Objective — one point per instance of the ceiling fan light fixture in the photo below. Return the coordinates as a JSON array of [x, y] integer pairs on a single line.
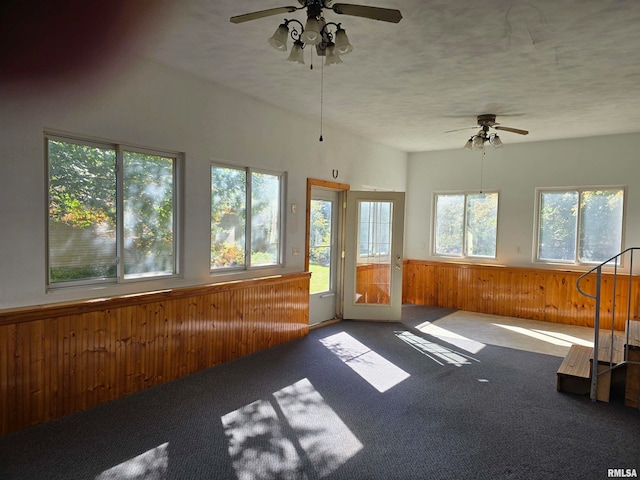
[[342, 42], [311, 34], [332, 57], [297, 54], [316, 32], [279, 39], [486, 135]]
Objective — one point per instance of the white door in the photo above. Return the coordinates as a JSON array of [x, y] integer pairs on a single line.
[[324, 254], [373, 263]]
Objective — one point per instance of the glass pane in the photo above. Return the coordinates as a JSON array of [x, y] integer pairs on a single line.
[[482, 224], [148, 194], [373, 270], [449, 224], [82, 212], [558, 226], [365, 237], [265, 219], [320, 245], [600, 225], [228, 217]]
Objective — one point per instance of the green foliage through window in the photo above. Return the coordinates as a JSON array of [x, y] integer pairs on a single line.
[[245, 218], [320, 245], [466, 224], [85, 233], [580, 226]]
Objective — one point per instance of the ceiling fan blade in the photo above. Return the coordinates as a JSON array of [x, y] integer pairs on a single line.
[[375, 13], [460, 129], [513, 130], [262, 13]]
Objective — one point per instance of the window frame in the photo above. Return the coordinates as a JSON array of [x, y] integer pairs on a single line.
[[579, 190], [119, 149], [375, 256], [248, 266], [434, 229]]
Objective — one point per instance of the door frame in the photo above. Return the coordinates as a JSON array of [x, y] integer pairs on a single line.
[[342, 188]]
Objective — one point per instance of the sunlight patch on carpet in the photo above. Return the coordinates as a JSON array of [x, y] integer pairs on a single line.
[[379, 372], [292, 432], [324, 437], [150, 465], [437, 353]]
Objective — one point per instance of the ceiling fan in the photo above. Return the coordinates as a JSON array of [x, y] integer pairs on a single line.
[[315, 7], [317, 31], [486, 122]]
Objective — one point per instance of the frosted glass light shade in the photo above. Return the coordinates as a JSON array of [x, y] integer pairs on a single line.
[[478, 141], [297, 54], [469, 144], [332, 57], [342, 43], [279, 39], [497, 142], [311, 34]]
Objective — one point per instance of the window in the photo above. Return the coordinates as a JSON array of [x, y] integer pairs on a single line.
[[106, 227], [321, 243], [374, 231], [466, 224], [246, 218], [579, 225]]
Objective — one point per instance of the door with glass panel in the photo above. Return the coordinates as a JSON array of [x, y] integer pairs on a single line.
[[324, 254], [373, 264]]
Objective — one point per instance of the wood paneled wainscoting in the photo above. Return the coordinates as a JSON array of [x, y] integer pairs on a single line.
[[536, 294], [62, 358]]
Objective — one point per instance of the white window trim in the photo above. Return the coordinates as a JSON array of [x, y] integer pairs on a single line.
[[475, 258], [119, 148], [243, 269]]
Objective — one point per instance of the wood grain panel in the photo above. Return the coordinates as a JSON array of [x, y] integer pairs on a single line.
[[537, 294], [372, 283], [60, 359]]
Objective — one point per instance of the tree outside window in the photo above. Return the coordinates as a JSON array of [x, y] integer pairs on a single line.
[[580, 225], [89, 239], [466, 224], [246, 218]]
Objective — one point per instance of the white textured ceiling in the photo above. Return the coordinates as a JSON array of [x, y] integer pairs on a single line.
[[559, 69]]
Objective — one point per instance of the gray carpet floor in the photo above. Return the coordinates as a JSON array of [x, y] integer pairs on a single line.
[[353, 400]]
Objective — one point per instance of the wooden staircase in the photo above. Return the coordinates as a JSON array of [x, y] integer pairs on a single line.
[[574, 374]]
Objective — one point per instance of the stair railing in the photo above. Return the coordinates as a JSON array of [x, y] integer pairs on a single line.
[[615, 260]]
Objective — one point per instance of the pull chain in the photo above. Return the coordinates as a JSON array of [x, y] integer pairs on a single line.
[[482, 168], [321, 98]]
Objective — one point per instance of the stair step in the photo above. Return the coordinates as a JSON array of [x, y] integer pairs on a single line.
[[633, 331], [577, 363], [605, 346], [574, 372], [632, 389]]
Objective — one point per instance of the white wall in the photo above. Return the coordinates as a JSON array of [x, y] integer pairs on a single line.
[[151, 105], [516, 170]]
